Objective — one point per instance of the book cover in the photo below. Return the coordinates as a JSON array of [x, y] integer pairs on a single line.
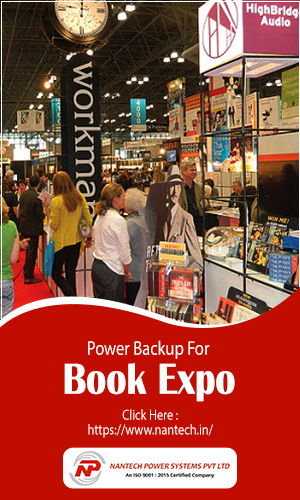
[[181, 284]]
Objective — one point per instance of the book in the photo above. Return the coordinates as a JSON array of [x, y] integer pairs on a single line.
[[181, 284]]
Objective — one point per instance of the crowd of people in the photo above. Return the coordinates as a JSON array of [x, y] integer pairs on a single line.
[[120, 243]]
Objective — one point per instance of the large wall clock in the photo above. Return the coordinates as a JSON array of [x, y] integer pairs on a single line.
[[80, 22]]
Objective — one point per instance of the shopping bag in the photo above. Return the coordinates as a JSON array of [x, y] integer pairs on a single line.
[[48, 258]]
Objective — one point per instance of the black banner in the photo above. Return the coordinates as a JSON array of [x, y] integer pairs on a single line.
[[80, 125]]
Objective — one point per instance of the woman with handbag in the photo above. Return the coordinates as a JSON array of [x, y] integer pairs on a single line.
[[112, 255], [67, 209]]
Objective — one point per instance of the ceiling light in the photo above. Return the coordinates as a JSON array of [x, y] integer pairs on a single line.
[[166, 59], [279, 84], [40, 95], [90, 52], [50, 95], [47, 85], [140, 82], [52, 79], [174, 54], [269, 84], [31, 106], [207, 80], [130, 7], [165, 97], [122, 16], [278, 81], [146, 78], [107, 94], [40, 106], [113, 121], [129, 82], [180, 59], [134, 79]]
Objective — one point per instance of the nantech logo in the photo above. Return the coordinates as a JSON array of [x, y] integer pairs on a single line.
[[87, 468]]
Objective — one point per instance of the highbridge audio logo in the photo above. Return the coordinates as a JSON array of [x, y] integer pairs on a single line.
[[220, 28], [87, 468]]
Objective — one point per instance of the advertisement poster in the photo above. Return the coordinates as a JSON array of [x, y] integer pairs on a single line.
[[218, 110], [193, 115], [234, 112], [176, 122], [220, 151], [290, 93], [269, 112], [104, 397]]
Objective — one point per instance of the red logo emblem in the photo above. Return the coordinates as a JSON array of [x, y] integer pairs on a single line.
[[87, 467], [220, 28]]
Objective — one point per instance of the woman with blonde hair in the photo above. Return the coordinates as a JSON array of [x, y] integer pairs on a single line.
[[9, 256], [66, 208], [112, 255]]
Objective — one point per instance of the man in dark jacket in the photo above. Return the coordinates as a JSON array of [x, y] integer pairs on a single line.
[[31, 216]]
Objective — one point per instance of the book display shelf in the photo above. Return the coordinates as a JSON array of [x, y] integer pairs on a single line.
[[259, 259], [174, 290]]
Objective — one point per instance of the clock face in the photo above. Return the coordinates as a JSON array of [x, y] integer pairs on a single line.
[[82, 21]]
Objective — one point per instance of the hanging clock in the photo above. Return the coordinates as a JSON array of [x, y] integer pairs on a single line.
[[80, 22]]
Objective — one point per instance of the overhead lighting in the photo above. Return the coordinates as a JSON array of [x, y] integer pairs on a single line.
[[122, 16], [130, 7], [90, 52], [269, 84], [40, 95], [166, 59], [50, 95], [40, 106], [278, 81], [31, 106], [207, 80], [52, 79], [47, 84], [140, 82], [174, 54], [134, 79], [129, 82], [279, 84], [113, 121], [180, 59], [146, 78], [165, 97], [107, 94]]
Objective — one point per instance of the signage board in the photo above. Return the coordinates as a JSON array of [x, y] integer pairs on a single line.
[[80, 121], [31, 120], [138, 115], [226, 31]]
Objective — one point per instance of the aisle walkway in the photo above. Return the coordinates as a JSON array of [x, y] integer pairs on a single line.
[[24, 294]]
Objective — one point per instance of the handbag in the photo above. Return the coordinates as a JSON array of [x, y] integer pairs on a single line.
[[48, 258], [83, 227]]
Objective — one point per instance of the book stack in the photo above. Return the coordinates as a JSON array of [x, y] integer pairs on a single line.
[[188, 313], [282, 265]]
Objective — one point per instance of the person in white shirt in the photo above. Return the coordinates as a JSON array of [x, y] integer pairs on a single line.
[[112, 255]]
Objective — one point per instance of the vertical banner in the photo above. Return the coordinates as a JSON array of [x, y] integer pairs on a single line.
[[176, 122], [56, 114], [138, 115], [290, 93], [80, 122], [193, 115]]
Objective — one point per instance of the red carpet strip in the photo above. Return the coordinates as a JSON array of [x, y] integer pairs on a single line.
[[24, 294]]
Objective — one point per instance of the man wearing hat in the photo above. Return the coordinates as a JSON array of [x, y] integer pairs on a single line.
[[179, 226], [191, 195]]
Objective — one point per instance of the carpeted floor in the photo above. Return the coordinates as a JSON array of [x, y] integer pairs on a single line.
[[24, 294]]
